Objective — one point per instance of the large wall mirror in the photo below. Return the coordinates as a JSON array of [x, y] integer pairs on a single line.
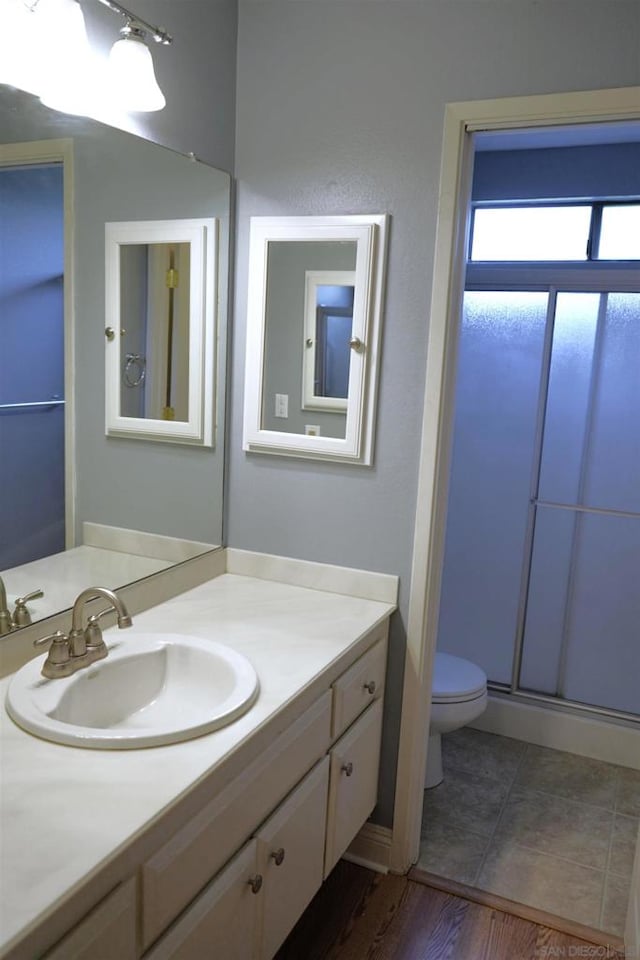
[[78, 506], [313, 336]]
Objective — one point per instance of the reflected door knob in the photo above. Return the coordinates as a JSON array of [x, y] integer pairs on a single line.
[[278, 856], [255, 883], [347, 769]]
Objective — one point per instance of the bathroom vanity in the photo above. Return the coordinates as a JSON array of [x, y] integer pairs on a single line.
[[211, 847]]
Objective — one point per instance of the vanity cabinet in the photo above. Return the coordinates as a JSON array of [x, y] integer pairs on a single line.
[[232, 881], [250, 907]]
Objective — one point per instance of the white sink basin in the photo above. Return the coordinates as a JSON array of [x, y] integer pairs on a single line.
[[152, 689]]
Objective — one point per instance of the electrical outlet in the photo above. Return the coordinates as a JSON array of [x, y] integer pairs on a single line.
[[312, 429], [282, 405]]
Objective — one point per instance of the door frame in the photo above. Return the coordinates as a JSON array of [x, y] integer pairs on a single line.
[[59, 151], [461, 121]]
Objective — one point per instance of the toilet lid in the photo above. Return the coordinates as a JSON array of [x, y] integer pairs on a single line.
[[455, 679]]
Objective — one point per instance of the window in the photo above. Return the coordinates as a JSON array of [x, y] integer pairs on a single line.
[[543, 233], [620, 232]]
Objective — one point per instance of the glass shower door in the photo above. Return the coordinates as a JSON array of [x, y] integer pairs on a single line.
[[581, 638]]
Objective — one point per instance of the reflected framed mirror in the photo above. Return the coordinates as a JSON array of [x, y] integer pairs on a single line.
[[78, 506], [160, 330], [314, 326]]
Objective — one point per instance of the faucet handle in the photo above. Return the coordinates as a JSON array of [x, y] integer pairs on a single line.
[[21, 615], [59, 651], [93, 634]]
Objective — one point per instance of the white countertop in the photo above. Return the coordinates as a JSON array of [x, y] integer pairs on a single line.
[[65, 812]]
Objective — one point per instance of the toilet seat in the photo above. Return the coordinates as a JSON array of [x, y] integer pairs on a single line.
[[456, 680]]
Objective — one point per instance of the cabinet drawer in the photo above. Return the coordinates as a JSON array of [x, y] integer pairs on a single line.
[[353, 782], [291, 857], [359, 686], [180, 869], [222, 922], [109, 930]]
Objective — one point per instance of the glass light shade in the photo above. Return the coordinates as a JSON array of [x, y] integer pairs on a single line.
[[21, 47], [133, 78], [71, 72]]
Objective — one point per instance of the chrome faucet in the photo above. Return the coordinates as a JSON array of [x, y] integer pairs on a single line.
[[21, 616], [81, 647], [6, 622]]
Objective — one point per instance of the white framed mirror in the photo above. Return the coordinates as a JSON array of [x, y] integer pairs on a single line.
[[160, 329], [314, 324]]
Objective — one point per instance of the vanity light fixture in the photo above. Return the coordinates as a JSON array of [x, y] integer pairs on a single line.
[[44, 49], [131, 76]]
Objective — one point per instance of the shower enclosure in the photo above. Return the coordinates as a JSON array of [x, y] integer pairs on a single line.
[[541, 580]]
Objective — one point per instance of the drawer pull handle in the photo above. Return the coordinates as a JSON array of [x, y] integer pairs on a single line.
[[347, 768], [255, 883], [370, 687], [278, 856]]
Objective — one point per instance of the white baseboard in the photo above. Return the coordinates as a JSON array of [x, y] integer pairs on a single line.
[[548, 727], [371, 848]]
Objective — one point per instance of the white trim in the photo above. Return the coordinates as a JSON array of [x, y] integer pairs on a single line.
[[448, 278], [314, 279], [316, 576], [60, 151], [561, 729], [371, 848], [369, 233]]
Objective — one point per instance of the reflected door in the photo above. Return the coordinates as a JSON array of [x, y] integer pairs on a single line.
[[32, 520]]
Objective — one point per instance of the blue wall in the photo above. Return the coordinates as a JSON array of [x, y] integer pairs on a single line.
[[31, 363]]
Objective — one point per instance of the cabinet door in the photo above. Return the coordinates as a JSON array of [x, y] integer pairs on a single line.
[[109, 930], [222, 923], [291, 856], [353, 782]]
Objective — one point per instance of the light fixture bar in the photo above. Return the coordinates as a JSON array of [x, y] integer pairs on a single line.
[[158, 34]]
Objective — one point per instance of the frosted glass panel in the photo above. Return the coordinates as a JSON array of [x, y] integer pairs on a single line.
[[548, 585], [570, 376], [612, 478], [499, 368], [603, 649], [620, 233], [531, 233]]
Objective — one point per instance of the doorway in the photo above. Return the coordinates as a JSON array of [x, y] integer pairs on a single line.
[[461, 121], [32, 386]]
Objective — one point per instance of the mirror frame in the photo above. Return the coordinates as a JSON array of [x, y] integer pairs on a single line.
[[369, 233], [201, 235]]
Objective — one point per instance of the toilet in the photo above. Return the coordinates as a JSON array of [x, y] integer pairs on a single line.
[[458, 696]]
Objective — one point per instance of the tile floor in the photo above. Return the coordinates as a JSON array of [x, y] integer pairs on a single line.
[[546, 828]]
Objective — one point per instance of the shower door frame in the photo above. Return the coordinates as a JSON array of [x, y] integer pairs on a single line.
[[553, 279], [461, 120], [60, 151]]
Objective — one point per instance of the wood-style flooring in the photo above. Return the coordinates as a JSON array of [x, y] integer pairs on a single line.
[[362, 915]]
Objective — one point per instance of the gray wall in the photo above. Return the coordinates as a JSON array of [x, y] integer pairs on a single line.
[[340, 110], [197, 73], [172, 489]]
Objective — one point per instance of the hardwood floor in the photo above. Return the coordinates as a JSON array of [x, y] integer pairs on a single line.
[[361, 915]]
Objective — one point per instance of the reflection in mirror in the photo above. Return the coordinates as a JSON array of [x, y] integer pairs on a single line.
[[328, 324], [154, 339], [160, 330], [291, 363], [313, 338], [77, 506]]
